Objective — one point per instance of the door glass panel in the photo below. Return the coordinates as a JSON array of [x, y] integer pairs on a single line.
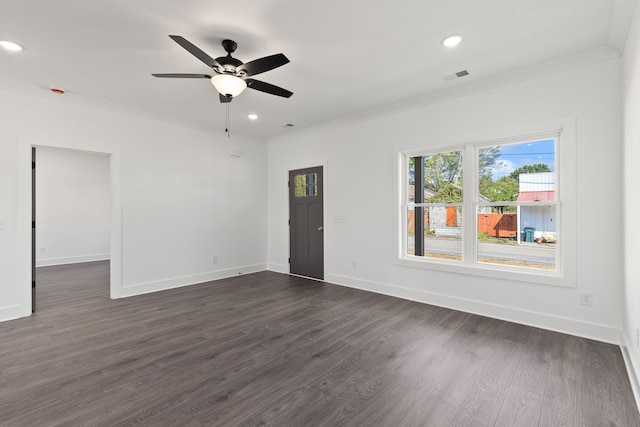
[[306, 185]]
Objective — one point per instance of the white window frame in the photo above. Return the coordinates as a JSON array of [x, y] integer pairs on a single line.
[[563, 131]]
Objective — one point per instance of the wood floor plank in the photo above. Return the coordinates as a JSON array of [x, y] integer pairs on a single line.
[[272, 349], [486, 397], [562, 404], [604, 386], [521, 408]]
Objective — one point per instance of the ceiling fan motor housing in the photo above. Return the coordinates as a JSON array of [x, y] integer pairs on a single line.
[[228, 64], [229, 46]]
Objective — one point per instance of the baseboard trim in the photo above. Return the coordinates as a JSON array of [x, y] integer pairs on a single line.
[[178, 282], [565, 325], [47, 262], [12, 312], [278, 268], [632, 369]]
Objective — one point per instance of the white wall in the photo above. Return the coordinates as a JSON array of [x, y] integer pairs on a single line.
[[359, 160], [631, 91], [181, 197], [73, 211]]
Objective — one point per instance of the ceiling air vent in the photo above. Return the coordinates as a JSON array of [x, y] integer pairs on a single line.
[[288, 125], [456, 75]]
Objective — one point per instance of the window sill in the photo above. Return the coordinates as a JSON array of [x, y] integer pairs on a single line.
[[551, 278]]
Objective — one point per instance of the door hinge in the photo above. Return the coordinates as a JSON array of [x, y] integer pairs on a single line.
[[33, 165], [33, 224], [289, 260]]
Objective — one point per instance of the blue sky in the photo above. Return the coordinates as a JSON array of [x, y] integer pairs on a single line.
[[513, 156]]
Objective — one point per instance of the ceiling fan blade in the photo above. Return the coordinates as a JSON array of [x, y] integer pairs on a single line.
[[195, 51], [261, 65], [183, 76], [225, 98], [268, 88]]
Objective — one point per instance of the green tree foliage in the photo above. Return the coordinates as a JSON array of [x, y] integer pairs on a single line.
[[412, 171], [442, 169], [504, 189], [450, 193], [487, 161], [539, 167], [443, 173]]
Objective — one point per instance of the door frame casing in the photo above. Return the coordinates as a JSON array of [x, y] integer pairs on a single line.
[[25, 144]]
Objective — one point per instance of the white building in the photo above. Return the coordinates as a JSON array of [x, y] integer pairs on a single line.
[[537, 187]]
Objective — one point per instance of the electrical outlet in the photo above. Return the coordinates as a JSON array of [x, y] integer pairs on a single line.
[[214, 259], [586, 298], [43, 250], [354, 264]]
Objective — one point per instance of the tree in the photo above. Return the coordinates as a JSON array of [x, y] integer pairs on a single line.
[[412, 171], [487, 161], [540, 167], [503, 190], [450, 193], [442, 169]]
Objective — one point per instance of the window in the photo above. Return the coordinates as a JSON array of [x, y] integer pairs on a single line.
[[491, 206], [517, 205], [434, 205], [306, 185]]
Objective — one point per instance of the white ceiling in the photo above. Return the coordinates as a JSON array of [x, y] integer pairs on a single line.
[[347, 56]]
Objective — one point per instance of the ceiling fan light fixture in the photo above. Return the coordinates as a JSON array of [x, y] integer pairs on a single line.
[[452, 41], [227, 84], [11, 46]]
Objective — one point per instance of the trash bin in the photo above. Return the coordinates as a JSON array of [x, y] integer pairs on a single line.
[[529, 234]]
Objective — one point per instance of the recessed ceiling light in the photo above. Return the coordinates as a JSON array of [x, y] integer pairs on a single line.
[[14, 47], [452, 41], [252, 116]]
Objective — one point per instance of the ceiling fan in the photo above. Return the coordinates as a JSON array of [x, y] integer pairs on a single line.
[[231, 74]]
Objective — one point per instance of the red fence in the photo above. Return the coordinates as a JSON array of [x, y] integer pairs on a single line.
[[498, 225], [411, 221], [491, 224]]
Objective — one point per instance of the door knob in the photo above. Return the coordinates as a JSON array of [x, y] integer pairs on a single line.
[[320, 228]]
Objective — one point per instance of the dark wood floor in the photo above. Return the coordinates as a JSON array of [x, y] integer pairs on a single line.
[[269, 349]]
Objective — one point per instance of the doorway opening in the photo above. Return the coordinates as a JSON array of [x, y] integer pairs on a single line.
[[71, 214], [71, 210], [26, 253]]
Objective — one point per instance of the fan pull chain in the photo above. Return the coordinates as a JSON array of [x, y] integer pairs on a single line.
[[227, 128]]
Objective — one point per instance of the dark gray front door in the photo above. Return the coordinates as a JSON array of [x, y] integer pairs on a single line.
[[306, 227]]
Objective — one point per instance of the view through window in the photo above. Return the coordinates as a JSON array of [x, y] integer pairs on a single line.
[[505, 213]]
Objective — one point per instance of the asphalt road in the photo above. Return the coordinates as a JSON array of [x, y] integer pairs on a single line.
[[524, 252]]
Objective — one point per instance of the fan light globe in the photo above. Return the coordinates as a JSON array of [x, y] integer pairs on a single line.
[[14, 47], [227, 84], [452, 41]]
